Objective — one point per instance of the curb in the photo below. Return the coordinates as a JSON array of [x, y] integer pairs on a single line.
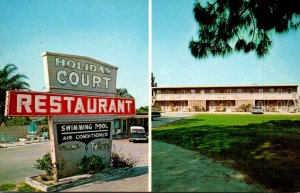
[[75, 181]]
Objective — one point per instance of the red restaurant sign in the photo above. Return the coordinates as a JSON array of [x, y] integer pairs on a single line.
[[26, 103]]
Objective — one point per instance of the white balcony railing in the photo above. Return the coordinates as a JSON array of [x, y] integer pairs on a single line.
[[228, 96]]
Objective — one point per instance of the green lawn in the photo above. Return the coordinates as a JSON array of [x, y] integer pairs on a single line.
[[19, 187], [264, 147]]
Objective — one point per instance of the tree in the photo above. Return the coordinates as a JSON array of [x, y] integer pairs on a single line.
[[122, 92], [10, 80], [242, 25], [153, 83], [142, 109]]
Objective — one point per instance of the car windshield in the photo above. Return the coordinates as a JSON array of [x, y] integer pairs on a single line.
[[137, 135]]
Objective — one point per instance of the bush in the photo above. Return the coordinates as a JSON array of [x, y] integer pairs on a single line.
[[46, 164], [92, 164], [244, 108], [196, 108], [156, 107], [43, 121], [16, 121], [119, 160], [220, 109]]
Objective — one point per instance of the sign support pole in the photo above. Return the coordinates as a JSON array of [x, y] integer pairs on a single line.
[[54, 154]]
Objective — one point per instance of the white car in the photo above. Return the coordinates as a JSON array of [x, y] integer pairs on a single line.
[[257, 110], [137, 133]]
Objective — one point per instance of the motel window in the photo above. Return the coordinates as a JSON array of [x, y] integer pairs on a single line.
[[261, 90], [168, 104], [289, 90], [124, 129], [167, 92], [212, 91], [251, 91], [239, 90], [222, 91], [228, 90], [193, 91], [279, 90], [158, 91], [260, 103], [117, 124], [271, 90], [182, 91], [202, 91]]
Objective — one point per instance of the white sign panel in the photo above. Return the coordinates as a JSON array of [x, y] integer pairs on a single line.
[[69, 72]]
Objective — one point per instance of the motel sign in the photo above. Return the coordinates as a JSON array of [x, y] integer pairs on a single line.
[[80, 103]]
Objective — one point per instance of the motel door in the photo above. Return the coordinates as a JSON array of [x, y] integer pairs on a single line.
[[182, 106], [279, 105], [229, 105], [167, 106], [212, 106]]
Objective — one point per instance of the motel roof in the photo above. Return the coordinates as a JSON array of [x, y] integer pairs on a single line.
[[229, 86]]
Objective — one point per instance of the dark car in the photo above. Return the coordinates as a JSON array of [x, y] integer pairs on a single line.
[[257, 110], [155, 114]]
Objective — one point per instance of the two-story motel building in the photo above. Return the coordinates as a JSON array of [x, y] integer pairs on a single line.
[[282, 98]]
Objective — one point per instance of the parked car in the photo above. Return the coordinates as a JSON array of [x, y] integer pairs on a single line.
[[137, 133], [257, 110], [155, 114]]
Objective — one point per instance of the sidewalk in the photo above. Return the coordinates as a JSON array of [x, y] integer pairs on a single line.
[[175, 169]]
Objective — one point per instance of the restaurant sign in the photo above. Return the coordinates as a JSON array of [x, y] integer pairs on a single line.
[[27, 103]]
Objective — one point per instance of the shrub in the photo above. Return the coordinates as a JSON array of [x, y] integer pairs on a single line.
[[44, 129], [46, 164], [16, 121], [220, 109], [92, 164], [196, 108], [119, 160], [244, 108], [156, 107]]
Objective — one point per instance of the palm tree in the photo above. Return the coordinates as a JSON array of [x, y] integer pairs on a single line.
[[10, 80], [122, 92]]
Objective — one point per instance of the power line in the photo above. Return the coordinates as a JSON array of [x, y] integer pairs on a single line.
[[13, 11]]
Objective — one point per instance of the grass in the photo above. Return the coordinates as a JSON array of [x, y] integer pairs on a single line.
[[264, 147], [7, 187], [19, 187]]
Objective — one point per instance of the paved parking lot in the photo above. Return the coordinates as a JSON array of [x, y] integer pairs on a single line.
[[17, 162], [135, 182]]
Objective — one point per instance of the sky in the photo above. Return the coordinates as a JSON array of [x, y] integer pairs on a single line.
[[112, 31], [116, 32], [173, 65]]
